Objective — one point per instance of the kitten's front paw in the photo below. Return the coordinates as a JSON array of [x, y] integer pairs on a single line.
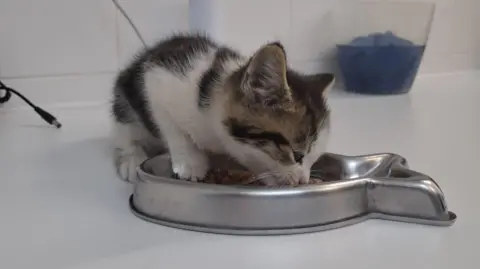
[[126, 164], [193, 170]]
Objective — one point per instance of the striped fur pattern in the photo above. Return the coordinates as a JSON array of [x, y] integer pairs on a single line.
[[189, 95]]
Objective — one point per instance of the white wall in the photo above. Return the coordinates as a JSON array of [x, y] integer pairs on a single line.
[[63, 47]]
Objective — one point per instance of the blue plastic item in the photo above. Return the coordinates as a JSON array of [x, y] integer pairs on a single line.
[[380, 63]]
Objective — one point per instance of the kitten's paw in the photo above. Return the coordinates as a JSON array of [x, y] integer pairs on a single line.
[[191, 169], [126, 164]]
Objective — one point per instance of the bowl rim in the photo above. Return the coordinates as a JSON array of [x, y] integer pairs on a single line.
[[328, 186]]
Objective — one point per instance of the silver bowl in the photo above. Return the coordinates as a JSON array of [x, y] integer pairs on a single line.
[[362, 187]]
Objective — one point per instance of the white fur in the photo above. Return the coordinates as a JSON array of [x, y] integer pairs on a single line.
[[189, 132], [128, 154]]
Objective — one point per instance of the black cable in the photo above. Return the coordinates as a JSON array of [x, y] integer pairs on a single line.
[[44, 114], [129, 20], [7, 91]]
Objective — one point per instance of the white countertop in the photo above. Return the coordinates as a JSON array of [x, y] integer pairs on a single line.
[[61, 205]]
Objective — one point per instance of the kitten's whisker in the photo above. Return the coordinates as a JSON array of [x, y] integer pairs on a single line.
[[260, 177], [318, 171], [268, 174], [283, 177]]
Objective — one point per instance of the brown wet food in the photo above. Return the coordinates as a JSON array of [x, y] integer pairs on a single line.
[[237, 177], [228, 177]]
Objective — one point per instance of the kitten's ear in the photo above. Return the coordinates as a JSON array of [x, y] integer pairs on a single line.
[[320, 85], [264, 81]]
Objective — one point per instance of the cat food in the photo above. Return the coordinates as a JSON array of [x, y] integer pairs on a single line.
[[380, 63], [237, 177], [228, 177]]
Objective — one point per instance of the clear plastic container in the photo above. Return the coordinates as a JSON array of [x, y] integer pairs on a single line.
[[380, 44]]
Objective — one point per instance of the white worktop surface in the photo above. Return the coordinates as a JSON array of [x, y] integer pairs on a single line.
[[61, 205]]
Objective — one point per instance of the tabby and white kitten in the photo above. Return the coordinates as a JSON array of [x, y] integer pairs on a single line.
[[190, 95]]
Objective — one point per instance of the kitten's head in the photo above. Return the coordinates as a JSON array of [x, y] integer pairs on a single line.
[[278, 119]]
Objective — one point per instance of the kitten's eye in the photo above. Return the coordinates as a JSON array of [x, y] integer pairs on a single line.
[[298, 156]]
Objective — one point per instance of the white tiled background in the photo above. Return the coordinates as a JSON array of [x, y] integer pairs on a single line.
[[55, 50]]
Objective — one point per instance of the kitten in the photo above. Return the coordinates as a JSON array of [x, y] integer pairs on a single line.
[[190, 95]]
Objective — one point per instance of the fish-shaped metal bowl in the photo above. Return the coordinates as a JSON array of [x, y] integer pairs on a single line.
[[360, 187]]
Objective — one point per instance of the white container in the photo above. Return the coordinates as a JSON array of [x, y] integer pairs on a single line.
[[205, 17], [241, 24]]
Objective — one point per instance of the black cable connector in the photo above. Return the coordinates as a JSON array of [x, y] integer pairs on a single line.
[[47, 117], [40, 111]]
